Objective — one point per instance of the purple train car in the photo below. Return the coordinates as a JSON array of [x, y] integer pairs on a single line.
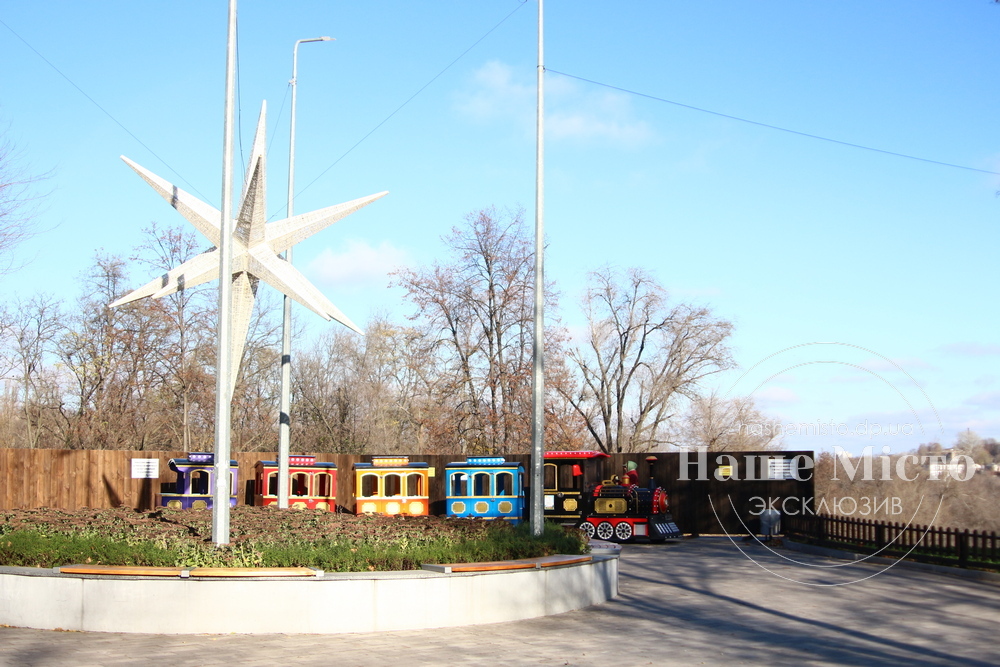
[[195, 485]]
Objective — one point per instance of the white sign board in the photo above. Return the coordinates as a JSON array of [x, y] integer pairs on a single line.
[[145, 468]]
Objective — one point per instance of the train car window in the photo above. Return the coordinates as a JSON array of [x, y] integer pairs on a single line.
[[459, 484], [272, 484], [415, 484], [481, 484], [505, 484], [567, 480], [179, 484], [550, 476], [199, 482], [324, 485], [300, 484], [232, 483], [369, 486], [593, 472], [393, 485]]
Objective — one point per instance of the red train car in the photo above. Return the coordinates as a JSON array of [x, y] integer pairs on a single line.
[[311, 484]]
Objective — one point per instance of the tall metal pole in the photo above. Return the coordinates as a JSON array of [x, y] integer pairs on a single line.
[[285, 419], [223, 397], [537, 351]]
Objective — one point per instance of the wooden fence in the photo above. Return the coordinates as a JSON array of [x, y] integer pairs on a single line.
[[703, 500], [928, 544]]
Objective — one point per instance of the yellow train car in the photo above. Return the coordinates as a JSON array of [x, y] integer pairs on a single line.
[[392, 485]]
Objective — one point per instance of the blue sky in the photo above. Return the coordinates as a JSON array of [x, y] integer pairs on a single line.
[[889, 262]]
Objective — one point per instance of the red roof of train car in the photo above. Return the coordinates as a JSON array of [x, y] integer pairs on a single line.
[[575, 455]]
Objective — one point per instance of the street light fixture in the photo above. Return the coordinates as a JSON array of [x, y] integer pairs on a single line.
[[284, 419]]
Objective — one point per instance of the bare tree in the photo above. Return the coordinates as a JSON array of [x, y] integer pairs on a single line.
[[190, 313], [368, 394], [641, 356], [18, 205], [478, 306], [34, 328], [727, 425], [477, 301], [111, 355]]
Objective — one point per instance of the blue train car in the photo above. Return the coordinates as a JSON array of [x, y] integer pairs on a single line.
[[485, 487], [195, 485]]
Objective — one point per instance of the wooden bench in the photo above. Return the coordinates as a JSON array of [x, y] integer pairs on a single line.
[[185, 572], [502, 565]]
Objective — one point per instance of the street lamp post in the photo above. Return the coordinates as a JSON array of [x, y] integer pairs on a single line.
[[284, 420]]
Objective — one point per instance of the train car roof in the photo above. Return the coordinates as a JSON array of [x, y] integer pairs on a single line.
[[174, 463], [412, 464], [485, 466], [315, 464], [576, 455]]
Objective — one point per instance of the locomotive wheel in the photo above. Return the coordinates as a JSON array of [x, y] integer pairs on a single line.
[[623, 531], [604, 530], [588, 529]]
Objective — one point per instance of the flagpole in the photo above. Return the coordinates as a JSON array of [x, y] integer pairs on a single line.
[[537, 351], [223, 397]]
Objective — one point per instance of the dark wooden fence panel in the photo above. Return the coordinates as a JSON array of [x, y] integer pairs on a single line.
[[928, 544], [72, 479]]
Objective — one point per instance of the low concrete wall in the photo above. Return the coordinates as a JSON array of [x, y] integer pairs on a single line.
[[333, 603]]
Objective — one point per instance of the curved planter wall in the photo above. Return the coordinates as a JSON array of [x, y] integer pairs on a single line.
[[333, 603]]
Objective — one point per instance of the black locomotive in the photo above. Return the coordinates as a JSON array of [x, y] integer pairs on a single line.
[[616, 510]]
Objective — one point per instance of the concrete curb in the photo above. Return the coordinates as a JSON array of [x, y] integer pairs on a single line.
[[975, 575], [329, 604]]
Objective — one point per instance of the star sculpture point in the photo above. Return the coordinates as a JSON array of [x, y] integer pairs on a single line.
[[257, 245]]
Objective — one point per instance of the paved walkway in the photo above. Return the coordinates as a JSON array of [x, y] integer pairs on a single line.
[[696, 602]]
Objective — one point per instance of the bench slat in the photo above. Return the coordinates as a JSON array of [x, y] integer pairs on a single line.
[[123, 570], [499, 566], [253, 572]]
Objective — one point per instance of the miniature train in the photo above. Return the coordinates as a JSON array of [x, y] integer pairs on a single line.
[[484, 487], [614, 510]]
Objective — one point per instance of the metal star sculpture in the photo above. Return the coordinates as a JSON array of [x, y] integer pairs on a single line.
[[256, 246]]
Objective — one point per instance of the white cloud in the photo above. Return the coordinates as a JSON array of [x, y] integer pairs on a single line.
[[694, 292], [775, 394], [986, 380], [572, 112], [496, 96], [987, 399], [359, 266], [972, 349], [906, 364]]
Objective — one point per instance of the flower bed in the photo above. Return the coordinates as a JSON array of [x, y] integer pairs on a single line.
[[266, 537]]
